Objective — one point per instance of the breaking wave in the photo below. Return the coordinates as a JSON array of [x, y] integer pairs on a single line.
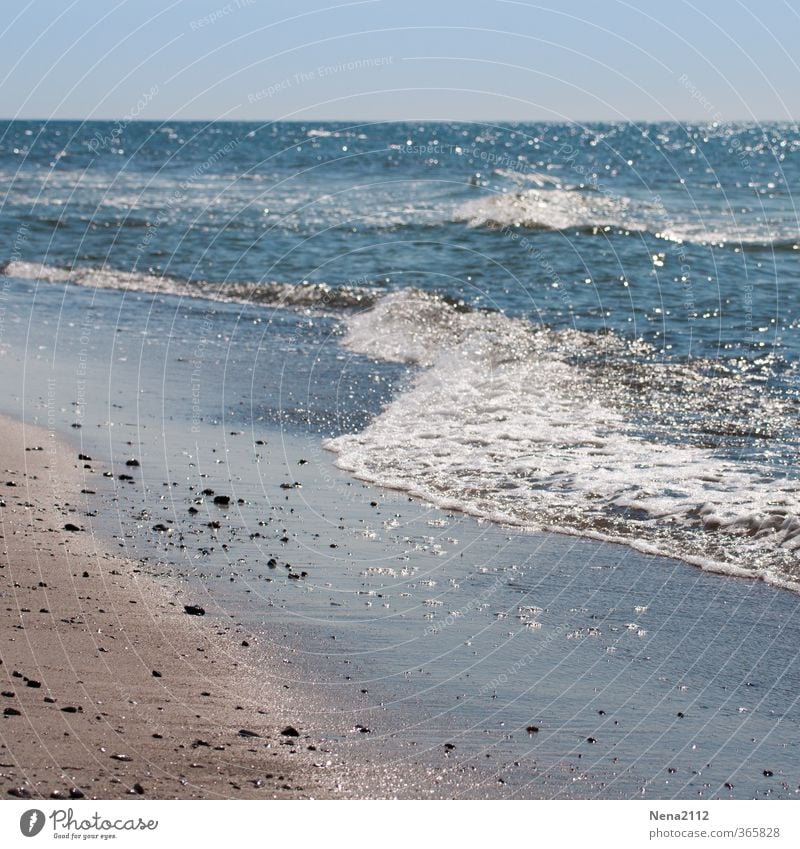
[[589, 211], [505, 423], [316, 295]]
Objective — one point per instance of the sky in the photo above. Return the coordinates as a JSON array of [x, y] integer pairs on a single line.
[[492, 60]]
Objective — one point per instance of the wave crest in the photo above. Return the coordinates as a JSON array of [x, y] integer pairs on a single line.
[[316, 295]]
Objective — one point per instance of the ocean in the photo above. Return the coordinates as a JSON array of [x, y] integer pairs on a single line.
[[497, 391]]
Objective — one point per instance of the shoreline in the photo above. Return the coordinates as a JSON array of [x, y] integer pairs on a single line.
[[109, 689], [420, 645], [318, 295]]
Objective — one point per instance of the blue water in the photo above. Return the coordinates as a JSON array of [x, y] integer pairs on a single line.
[[387, 204], [655, 268], [587, 329], [678, 243], [671, 250]]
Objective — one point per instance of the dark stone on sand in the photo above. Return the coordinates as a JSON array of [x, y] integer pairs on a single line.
[[448, 747], [138, 789], [193, 510], [768, 773], [194, 610], [728, 785], [83, 492], [11, 712], [156, 673], [272, 563], [123, 477], [680, 714], [243, 732], [31, 683], [208, 492], [590, 740], [56, 794], [84, 457], [132, 462], [532, 729], [290, 731], [71, 709], [20, 792], [70, 527], [76, 794], [245, 643], [222, 500]]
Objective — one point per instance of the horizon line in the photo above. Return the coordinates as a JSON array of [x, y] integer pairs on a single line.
[[362, 121]]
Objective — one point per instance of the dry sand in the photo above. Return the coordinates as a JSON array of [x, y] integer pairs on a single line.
[[109, 689]]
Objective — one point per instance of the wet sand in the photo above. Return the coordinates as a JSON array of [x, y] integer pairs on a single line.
[[109, 688]]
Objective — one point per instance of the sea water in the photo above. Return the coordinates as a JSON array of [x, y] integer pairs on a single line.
[[530, 329]]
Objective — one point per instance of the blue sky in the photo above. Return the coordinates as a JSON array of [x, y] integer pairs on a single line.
[[384, 59]]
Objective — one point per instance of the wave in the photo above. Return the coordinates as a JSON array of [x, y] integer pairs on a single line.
[[590, 211], [552, 209], [504, 423], [316, 295]]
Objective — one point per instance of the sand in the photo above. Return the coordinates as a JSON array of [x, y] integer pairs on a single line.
[[111, 690]]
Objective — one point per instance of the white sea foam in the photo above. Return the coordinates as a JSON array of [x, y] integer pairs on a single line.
[[554, 209], [318, 295], [552, 206], [502, 424]]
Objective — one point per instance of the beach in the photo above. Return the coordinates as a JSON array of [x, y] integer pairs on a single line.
[[400, 405], [475, 518], [111, 690]]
